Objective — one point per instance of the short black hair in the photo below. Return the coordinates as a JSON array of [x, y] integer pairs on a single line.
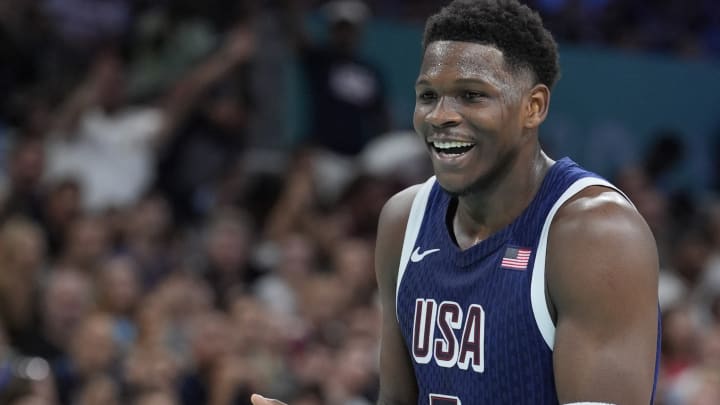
[[513, 28]]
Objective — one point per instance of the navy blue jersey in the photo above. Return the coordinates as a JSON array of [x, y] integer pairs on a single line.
[[475, 321]]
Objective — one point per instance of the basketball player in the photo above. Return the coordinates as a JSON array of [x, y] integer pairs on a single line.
[[508, 278]]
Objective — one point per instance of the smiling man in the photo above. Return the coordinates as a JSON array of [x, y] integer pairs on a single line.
[[508, 277]]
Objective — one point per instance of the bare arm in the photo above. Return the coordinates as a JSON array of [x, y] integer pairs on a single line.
[[238, 48], [66, 118], [397, 378], [602, 280]]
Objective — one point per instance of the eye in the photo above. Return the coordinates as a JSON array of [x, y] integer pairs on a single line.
[[426, 96], [474, 95]]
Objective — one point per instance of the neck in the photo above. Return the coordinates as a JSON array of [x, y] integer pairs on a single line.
[[486, 211]]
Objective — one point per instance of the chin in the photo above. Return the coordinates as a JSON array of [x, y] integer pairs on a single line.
[[460, 185], [458, 192], [456, 187]]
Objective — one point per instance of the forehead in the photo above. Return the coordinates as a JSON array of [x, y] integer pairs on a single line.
[[464, 60]]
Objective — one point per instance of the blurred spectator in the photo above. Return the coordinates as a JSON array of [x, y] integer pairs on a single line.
[[217, 377], [22, 254], [311, 366], [684, 278], [261, 330], [85, 372], [147, 234], [292, 260], [99, 389], [152, 256], [22, 194], [206, 143], [323, 304], [667, 205], [347, 101], [86, 244], [99, 135], [396, 156], [61, 207], [681, 335], [150, 368], [119, 291], [360, 203], [700, 383], [651, 203], [311, 201], [102, 140], [353, 260], [354, 377], [296, 206], [228, 268], [67, 298]]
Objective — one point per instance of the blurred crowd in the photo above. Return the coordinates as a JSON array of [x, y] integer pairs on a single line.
[[162, 243], [687, 28]]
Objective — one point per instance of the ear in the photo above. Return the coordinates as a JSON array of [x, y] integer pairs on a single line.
[[536, 107]]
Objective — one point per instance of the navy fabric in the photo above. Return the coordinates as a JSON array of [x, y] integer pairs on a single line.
[[478, 342]]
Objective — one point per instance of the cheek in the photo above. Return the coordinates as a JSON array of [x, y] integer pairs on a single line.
[[418, 120], [495, 123]]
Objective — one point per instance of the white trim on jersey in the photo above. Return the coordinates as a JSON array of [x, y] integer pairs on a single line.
[[538, 300], [417, 212]]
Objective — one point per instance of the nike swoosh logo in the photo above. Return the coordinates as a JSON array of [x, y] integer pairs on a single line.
[[417, 256]]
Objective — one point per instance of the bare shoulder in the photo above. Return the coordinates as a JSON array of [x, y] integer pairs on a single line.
[[397, 379], [601, 274], [599, 245], [603, 221], [391, 231], [397, 208]]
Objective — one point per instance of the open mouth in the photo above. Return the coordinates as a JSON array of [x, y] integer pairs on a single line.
[[451, 148]]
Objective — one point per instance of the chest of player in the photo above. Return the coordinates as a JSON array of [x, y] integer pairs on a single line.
[[453, 309], [470, 330]]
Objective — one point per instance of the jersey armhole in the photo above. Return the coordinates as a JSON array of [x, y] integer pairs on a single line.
[[538, 299], [412, 229]]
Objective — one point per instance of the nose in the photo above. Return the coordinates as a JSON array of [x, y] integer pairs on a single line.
[[444, 114]]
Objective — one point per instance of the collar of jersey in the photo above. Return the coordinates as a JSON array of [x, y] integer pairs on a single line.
[[485, 248]]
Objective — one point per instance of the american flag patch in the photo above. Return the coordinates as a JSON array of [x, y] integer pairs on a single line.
[[516, 258]]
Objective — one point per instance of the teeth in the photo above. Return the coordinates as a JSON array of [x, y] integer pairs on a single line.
[[451, 144]]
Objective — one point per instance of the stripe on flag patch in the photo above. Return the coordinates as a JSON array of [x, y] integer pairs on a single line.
[[516, 258]]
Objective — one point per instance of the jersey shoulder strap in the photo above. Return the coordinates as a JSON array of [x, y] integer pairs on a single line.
[[538, 299], [412, 229]]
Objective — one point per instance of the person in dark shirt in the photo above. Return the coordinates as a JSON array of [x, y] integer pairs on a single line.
[[347, 101]]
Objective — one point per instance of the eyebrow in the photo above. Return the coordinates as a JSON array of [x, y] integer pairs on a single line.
[[462, 80]]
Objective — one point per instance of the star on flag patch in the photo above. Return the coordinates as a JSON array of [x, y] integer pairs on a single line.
[[516, 258]]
